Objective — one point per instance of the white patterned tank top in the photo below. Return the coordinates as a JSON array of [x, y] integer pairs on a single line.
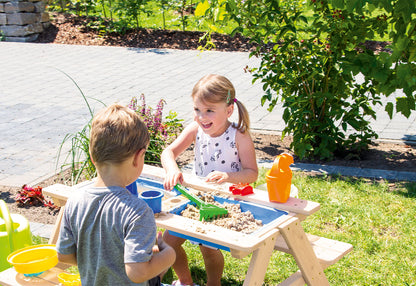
[[216, 153]]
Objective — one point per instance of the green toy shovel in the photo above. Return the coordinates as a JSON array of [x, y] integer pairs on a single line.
[[206, 211]]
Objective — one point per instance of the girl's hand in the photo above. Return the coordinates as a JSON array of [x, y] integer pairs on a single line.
[[171, 179], [217, 177]]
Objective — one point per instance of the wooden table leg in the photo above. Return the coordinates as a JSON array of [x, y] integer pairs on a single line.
[[55, 233], [302, 251], [260, 260]]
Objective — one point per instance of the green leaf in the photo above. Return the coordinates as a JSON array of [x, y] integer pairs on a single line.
[[403, 105], [412, 54], [201, 8], [402, 43], [304, 19], [232, 7], [404, 9], [344, 126], [338, 3], [404, 71]]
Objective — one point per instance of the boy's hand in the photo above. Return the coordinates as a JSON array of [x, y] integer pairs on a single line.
[[159, 239], [161, 244], [217, 177]]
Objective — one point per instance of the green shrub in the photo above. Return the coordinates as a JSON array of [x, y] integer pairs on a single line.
[[311, 53]]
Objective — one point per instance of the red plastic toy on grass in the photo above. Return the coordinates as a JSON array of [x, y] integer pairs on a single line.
[[241, 189]]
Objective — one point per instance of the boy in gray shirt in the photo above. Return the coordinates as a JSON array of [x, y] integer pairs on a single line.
[[107, 232]]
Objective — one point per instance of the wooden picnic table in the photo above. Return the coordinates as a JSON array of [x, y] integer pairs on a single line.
[[312, 253]]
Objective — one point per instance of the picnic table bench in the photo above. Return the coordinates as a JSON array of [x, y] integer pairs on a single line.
[[312, 253]]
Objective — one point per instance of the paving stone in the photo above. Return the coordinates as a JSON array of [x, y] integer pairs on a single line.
[[42, 230], [3, 19]]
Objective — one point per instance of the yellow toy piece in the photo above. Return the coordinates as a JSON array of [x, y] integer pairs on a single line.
[[68, 279]]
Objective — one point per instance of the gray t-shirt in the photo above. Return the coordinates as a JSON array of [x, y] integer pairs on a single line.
[[106, 227]]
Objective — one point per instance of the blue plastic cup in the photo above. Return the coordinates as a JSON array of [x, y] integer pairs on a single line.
[[132, 188], [153, 198]]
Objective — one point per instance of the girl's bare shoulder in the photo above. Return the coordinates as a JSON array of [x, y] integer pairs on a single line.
[[241, 136]]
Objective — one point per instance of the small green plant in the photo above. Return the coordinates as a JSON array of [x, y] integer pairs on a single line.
[[183, 8], [162, 132], [133, 11], [39, 240], [164, 7], [78, 156], [80, 162]]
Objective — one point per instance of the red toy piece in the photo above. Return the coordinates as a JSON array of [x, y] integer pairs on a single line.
[[241, 189]]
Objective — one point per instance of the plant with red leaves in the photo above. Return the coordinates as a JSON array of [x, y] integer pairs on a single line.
[[29, 196]]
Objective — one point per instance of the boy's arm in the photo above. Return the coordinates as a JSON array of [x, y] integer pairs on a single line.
[[160, 262], [169, 155], [65, 241], [68, 258]]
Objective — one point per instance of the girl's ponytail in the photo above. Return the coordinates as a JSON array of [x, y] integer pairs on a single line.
[[243, 117]]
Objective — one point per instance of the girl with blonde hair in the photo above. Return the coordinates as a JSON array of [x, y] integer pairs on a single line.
[[224, 152]]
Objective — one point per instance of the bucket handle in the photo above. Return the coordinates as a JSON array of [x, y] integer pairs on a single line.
[[4, 212]]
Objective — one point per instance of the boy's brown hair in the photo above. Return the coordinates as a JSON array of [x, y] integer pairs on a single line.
[[117, 133]]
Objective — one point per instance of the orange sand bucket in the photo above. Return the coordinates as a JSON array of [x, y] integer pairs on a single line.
[[279, 179]]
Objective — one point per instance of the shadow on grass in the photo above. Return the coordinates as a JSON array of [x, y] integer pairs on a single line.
[[168, 278], [200, 277], [230, 282], [403, 188], [409, 189]]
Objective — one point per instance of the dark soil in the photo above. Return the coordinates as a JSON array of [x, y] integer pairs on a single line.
[[67, 29], [73, 30]]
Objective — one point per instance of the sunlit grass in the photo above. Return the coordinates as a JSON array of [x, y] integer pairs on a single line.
[[39, 240]]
